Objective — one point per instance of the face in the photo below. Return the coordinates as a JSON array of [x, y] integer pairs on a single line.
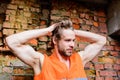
[[66, 43]]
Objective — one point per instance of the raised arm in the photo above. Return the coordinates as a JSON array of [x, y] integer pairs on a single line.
[[92, 49], [26, 53]]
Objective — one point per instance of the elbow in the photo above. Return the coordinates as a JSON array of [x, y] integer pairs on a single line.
[[10, 42]]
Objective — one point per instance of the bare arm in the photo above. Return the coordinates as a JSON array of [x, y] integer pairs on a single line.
[[92, 49], [26, 53]]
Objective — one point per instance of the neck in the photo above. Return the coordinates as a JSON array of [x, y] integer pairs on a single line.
[[63, 58]]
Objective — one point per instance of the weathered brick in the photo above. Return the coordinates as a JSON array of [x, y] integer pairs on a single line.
[[90, 72], [114, 53], [116, 67], [11, 12], [65, 13], [89, 22], [7, 24], [42, 22], [11, 6], [108, 48], [55, 17], [5, 48], [95, 59], [106, 60], [89, 65], [108, 73], [99, 78], [75, 20], [117, 60], [95, 24], [7, 69], [87, 16], [25, 77], [55, 12], [94, 29], [76, 26], [108, 66], [109, 78], [102, 19], [101, 13], [27, 14], [1, 34], [117, 48], [8, 31], [105, 53], [82, 15], [85, 27], [103, 27], [99, 66]]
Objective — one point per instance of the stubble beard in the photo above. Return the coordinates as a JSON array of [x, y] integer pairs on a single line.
[[64, 53]]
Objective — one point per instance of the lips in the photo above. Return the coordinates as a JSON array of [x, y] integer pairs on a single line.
[[70, 50]]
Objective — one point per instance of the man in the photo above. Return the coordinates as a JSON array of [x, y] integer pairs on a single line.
[[64, 63]]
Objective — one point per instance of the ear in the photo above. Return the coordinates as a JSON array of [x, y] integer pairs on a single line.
[[54, 40]]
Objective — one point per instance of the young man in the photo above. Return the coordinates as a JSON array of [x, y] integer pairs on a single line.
[[64, 63]]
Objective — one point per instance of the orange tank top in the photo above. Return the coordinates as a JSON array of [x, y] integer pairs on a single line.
[[53, 69]]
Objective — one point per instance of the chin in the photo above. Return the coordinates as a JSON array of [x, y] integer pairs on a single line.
[[69, 54]]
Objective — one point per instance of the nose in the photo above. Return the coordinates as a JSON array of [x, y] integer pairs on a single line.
[[72, 43]]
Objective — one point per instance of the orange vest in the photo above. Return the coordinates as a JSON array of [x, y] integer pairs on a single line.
[[53, 69]]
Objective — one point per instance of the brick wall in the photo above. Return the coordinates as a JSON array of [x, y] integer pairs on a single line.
[[21, 15]]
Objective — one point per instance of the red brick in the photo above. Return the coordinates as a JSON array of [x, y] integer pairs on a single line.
[[108, 66], [101, 13], [105, 53], [106, 60], [87, 16], [76, 26], [94, 29], [99, 78], [116, 67], [85, 27], [118, 60], [42, 22], [64, 13], [109, 78], [99, 66], [114, 53], [114, 43], [108, 48], [95, 59], [117, 48], [89, 22], [5, 48], [55, 17], [10, 6], [82, 15], [108, 73], [95, 24], [103, 27], [6, 24], [75, 20], [102, 20], [1, 34], [89, 65]]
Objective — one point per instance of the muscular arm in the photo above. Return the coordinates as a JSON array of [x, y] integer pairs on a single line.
[[26, 53], [92, 49]]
